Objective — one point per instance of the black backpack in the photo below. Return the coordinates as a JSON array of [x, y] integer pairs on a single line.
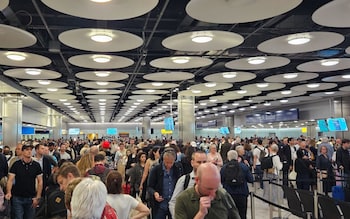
[[52, 205], [262, 153], [266, 162], [233, 173]]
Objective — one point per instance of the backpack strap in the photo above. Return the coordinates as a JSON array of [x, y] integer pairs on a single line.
[[187, 180]]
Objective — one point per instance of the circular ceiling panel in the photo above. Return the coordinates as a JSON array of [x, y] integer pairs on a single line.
[[58, 96], [32, 73], [169, 76], [205, 40], [103, 10], [242, 93], [333, 14], [197, 93], [211, 86], [144, 97], [347, 50], [51, 91], [325, 65], [43, 84], [262, 98], [101, 85], [109, 97], [98, 61], [338, 78], [301, 42], [156, 85], [263, 86], [150, 91], [345, 88], [23, 59], [13, 37], [102, 75], [285, 93], [258, 62], [180, 62], [83, 39], [291, 77], [3, 4], [230, 77], [314, 86], [102, 91], [237, 11], [329, 94]]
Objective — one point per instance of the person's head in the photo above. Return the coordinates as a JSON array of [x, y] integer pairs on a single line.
[[302, 144], [169, 158], [207, 180], [66, 173], [273, 148], [114, 182], [154, 153], [89, 199], [212, 148], [346, 143], [18, 150], [40, 149], [69, 191], [27, 151], [323, 149], [232, 155], [141, 157], [99, 158], [94, 150], [6, 150], [240, 150], [259, 141], [198, 157]]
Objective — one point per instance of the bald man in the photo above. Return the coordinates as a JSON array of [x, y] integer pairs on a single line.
[[196, 201]]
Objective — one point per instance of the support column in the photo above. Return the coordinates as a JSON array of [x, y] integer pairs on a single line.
[[56, 126], [146, 128], [229, 122], [12, 119], [186, 118], [342, 109]]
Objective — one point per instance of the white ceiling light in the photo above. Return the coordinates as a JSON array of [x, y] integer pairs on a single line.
[[241, 109], [180, 59], [33, 71], [66, 104], [102, 104], [253, 107], [140, 100], [104, 37], [229, 74], [262, 85], [346, 76], [256, 60], [102, 90], [286, 92], [63, 100], [232, 111], [290, 75], [101, 58], [213, 100], [224, 107], [329, 93], [100, 1], [196, 91], [284, 101], [329, 62], [211, 84], [102, 83], [16, 56], [52, 89], [242, 91], [150, 91], [298, 39], [102, 100], [203, 104], [315, 85], [267, 104], [202, 37], [249, 101], [102, 74], [157, 84], [44, 82], [235, 104]]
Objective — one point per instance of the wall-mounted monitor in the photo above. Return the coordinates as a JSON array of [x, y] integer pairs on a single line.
[[322, 124], [112, 131], [169, 123], [224, 130], [238, 130], [73, 131], [337, 124], [28, 130]]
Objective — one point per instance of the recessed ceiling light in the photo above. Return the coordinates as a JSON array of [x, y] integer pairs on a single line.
[[210, 84], [102, 83], [140, 100], [242, 91], [44, 82], [102, 104], [16, 56], [66, 104], [102, 100], [232, 111], [224, 107], [203, 104], [267, 104], [157, 84], [196, 91], [315, 85], [290, 75], [299, 39], [63, 100], [213, 100], [202, 37], [286, 92], [257, 60], [253, 107], [329, 62], [329, 93], [102, 90], [102, 37], [241, 109], [100, 1], [150, 91], [249, 101], [284, 101], [346, 76], [33, 71], [262, 85], [229, 74], [101, 58], [235, 104], [52, 89], [102, 74], [180, 59]]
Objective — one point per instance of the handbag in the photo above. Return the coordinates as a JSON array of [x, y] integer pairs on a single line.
[[292, 176]]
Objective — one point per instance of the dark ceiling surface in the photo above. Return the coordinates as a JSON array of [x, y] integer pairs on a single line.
[[166, 19]]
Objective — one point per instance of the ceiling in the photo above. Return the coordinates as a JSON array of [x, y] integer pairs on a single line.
[[152, 52]]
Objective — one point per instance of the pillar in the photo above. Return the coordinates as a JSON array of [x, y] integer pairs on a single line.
[[342, 109], [186, 118], [55, 122], [146, 128], [229, 122], [12, 119]]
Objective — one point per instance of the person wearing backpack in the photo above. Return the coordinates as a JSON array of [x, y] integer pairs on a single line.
[[235, 177], [258, 153], [272, 174]]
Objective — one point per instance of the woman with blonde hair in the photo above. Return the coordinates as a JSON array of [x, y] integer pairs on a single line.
[[85, 163]]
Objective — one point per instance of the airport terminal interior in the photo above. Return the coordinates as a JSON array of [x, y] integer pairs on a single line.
[[180, 69]]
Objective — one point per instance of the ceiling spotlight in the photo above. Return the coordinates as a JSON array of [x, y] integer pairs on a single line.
[[140, 100], [52, 89], [63, 100], [101, 58], [286, 92], [241, 109], [256, 60], [346, 76], [180, 59], [298, 39], [224, 107], [196, 91], [267, 104], [102, 37], [315, 85], [33, 71], [44, 82], [262, 85], [290, 75], [202, 37], [249, 101], [329, 62], [211, 84], [229, 74], [100, 1], [253, 107], [157, 84], [102, 100], [203, 104], [16, 56], [102, 90], [150, 91], [66, 104], [102, 104], [235, 104], [284, 101], [213, 100], [329, 93], [242, 91], [102, 83], [102, 74]]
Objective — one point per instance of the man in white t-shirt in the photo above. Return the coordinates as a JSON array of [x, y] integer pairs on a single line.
[[257, 152]]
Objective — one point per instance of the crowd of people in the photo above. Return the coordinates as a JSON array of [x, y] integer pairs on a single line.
[[136, 178]]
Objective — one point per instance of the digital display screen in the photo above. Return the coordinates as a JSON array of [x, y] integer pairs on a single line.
[[169, 123], [73, 131], [322, 124], [28, 130], [112, 131], [224, 130], [238, 130], [337, 124]]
